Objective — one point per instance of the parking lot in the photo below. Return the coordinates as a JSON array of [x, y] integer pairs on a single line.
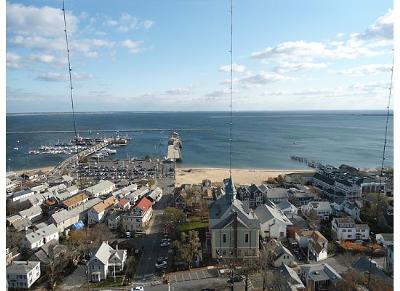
[[192, 275], [133, 170]]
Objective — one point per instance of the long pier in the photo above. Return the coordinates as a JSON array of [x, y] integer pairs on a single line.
[[75, 158]]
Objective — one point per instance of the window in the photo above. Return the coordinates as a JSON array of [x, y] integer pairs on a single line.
[[224, 238], [246, 238]]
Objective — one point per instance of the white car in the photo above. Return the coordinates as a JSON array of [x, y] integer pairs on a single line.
[[165, 244], [137, 288], [161, 265]]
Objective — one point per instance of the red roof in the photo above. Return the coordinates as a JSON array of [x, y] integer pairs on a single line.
[[123, 202], [144, 204]]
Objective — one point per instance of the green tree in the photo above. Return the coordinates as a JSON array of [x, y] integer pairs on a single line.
[[174, 216], [187, 247]]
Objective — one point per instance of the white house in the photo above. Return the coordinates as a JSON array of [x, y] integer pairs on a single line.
[[273, 222], [322, 208], [36, 239], [105, 262], [22, 195], [280, 254], [286, 207], [138, 217], [125, 191], [97, 212], [346, 229], [40, 188], [102, 188], [137, 195], [349, 207], [33, 213], [155, 195], [22, 274], [317, 246]]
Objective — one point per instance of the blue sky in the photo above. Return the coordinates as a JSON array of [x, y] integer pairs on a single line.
[[172, 55]]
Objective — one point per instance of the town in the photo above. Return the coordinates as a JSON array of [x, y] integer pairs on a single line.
[[126, 224]]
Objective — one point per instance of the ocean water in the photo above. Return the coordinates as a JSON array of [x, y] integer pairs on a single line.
[[260, 139]]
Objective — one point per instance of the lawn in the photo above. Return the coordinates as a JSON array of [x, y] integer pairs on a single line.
[[193, 224], [107, 283]]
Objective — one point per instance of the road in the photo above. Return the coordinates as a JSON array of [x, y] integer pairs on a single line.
[[150, 242]]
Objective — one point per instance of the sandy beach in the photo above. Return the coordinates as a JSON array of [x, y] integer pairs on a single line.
[[240, 176], [43, 169]]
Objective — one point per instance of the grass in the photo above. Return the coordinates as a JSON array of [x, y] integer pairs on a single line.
[[193, 224], [107, 283]]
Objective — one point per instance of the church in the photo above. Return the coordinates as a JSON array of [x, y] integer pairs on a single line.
[[234, 227]]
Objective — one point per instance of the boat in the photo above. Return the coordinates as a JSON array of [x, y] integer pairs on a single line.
[[16, 148]]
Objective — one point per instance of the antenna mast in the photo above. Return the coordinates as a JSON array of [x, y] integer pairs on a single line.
[[70, 84], [231, 92], [387, 122]]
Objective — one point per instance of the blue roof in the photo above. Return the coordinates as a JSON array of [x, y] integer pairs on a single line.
[[78, 225]]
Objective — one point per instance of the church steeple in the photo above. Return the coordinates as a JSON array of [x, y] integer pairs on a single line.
[[230, 190]]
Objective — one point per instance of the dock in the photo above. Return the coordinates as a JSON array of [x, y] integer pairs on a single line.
[[78, 156], [174, 153]]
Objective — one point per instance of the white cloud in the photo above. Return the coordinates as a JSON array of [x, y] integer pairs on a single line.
[[85, 46], [178, 91], [365, 70], [13, 60], [294, 67], [378, 34], [261, 78], [380, 29], [235, 68], [53, 76], [302, 51], [218, 93], [133, 46], [127, 22], [45, 21]]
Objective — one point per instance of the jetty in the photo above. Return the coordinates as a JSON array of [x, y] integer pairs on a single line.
[[174, 148]]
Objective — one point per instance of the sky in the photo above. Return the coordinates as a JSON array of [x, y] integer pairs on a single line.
[[154, 55]]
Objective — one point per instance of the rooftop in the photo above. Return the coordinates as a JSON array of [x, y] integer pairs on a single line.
[[22, 267], [75, 199]]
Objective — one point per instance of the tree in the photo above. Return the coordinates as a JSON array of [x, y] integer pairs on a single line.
[[264, 262], [130, 267], [313, 218], [59, 260], [174, 216], [187, 247]]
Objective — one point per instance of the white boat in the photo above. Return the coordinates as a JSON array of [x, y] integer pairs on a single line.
[[16, 148]]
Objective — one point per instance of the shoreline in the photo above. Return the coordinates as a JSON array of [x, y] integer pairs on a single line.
[[43, 169], [240, 176]]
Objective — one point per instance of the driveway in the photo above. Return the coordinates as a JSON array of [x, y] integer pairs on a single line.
[[75, 280]]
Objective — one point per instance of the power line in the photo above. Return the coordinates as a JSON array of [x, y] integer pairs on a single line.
[[231, 93], [387, 121]]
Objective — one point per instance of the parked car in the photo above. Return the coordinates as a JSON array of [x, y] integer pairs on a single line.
[[137, 288], [236, 278], [162, 265], [162, 259], [165, 244]]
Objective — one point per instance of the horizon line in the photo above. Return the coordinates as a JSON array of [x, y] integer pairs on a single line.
[[197, 111]]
